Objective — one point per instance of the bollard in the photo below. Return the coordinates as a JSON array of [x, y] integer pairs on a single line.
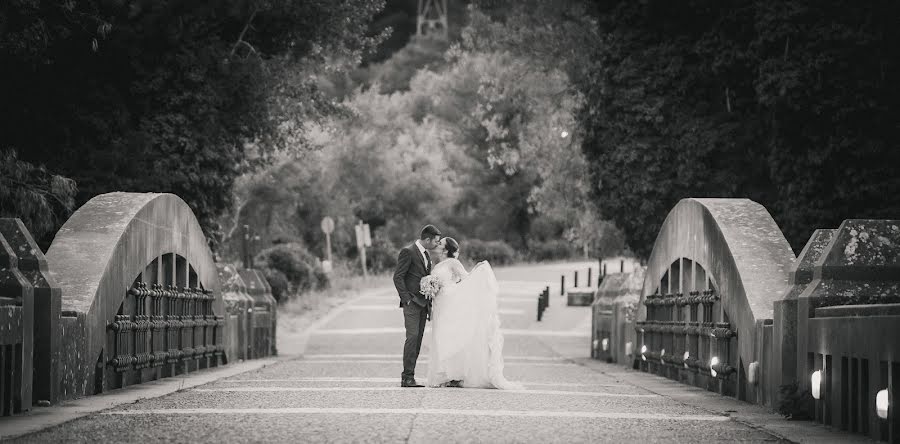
[[622, 266], [562, 285], [604, 269], [589, 277], [540, 308], [576, 280]]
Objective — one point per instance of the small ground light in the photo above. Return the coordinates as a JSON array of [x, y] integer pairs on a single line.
[[643, 350], [816, 383], [564, 134], [881, 404], [605, 344], [712, 363], [753, 372]]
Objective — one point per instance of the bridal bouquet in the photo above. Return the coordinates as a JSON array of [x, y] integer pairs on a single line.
[[430, 286]]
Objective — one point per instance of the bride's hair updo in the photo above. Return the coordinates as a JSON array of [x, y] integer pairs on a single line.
[[451, 246]]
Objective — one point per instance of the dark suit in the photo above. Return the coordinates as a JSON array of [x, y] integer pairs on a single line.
[[411, 268]]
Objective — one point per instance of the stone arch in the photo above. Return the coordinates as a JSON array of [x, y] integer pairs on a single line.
[[100, 258], [729, 261]]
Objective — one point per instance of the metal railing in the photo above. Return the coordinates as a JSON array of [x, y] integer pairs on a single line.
[[169, 325], [682, 339]]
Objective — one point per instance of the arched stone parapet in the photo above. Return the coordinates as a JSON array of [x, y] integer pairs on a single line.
[[146, 248], [728, 258]]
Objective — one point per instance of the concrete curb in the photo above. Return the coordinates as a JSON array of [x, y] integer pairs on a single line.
[[40, 418]]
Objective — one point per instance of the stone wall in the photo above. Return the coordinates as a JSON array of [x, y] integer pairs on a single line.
[[848, 328]]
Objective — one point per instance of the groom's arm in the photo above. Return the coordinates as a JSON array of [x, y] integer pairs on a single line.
[[403, 262]]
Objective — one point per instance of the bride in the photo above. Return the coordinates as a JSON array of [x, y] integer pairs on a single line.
[[466, 343]]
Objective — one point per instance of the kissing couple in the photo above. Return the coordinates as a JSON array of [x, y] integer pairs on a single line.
[[466, 347]]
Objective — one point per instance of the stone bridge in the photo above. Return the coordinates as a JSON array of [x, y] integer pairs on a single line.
[[725, 305], [127, 293], [722, 327]]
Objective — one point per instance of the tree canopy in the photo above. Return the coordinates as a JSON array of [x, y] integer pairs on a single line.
[[170, 96], [539, 121], [789, 103]]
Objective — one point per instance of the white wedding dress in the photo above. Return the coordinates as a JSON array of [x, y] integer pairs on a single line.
[[466, 342]]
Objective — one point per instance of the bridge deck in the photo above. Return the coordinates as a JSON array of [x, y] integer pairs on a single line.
[[345, 388]]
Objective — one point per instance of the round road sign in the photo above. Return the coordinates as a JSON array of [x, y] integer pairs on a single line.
[[327, 225]]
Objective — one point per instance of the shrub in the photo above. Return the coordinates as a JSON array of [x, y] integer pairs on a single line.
[[794, 404], [301, 269], [552, 250], [495, 252], [278, 281], [382, 256]]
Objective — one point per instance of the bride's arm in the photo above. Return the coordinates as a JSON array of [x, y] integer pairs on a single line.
[[459, 269]]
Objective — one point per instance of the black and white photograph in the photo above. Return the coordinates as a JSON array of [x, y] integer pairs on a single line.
[[449, 221]]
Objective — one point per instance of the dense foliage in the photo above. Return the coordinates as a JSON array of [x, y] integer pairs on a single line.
[[171, 95], [40, 199], [792, 103], [547, 125], [474, 139]]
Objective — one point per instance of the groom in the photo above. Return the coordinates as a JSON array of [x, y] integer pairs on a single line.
[[413, 264]]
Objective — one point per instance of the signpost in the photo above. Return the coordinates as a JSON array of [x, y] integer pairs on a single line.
[[327, 228], [363, 240]]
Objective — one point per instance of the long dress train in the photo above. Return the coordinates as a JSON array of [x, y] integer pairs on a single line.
[[466, 341]]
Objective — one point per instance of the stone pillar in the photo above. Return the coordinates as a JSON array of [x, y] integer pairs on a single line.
[[47, 300], [789, 363], [16, 333]]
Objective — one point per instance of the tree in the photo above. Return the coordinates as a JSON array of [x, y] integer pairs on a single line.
[[43, 201], [170, 96]]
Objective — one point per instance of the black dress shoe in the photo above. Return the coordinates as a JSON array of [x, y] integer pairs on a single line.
[[409, 383]]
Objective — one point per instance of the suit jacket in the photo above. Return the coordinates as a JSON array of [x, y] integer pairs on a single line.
[[411, 268]]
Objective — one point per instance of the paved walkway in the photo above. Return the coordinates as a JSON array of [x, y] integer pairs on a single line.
[[345, 388]]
